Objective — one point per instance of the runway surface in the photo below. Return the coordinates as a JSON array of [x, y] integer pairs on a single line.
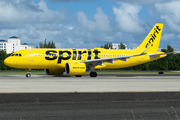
[[102, 83]]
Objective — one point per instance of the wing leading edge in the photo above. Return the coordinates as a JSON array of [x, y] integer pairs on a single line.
[[109, 60]]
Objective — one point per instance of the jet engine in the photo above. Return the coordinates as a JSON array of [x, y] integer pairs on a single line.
[[75, 68]]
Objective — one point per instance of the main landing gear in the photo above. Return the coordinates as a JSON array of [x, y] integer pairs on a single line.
[[93, 74], [28, 75]]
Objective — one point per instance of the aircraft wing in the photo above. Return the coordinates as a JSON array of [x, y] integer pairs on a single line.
[[109, 60], [95, 62]]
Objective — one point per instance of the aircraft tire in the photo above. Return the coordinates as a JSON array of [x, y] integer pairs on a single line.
[[28, 75], [78, 75], [93, 74]]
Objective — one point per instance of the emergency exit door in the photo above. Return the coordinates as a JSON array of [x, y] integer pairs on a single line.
[[30, 55]]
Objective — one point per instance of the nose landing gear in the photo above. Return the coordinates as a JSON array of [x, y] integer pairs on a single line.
[[28, 75]]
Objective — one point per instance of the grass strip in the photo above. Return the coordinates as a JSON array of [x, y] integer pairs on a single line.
[[21, 73]]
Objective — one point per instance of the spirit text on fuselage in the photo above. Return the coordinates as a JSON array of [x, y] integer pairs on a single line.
[[74, 54]]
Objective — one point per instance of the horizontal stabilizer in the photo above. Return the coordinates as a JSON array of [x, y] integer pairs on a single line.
[[155, 55]]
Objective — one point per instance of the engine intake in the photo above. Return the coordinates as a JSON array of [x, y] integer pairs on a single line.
[[74, 68]]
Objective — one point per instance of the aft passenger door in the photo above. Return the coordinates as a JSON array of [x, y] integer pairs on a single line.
[[138, 58]]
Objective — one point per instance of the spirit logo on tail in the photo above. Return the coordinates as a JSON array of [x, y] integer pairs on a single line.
[[153, 36]]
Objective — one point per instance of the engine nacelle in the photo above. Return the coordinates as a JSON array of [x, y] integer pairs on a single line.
[[54, 71], [74, 68]]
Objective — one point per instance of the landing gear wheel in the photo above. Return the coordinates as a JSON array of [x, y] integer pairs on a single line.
[[28, 75], [78, 75], [93, 74]]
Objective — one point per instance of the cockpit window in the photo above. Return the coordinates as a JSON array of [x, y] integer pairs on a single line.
[[16, 54]]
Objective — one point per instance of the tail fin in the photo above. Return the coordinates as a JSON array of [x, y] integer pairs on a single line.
[[152, 39]]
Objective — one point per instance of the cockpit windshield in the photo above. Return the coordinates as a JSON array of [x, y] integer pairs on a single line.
[[16, 54]]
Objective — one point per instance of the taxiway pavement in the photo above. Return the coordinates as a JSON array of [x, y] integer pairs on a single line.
[[66, 84]]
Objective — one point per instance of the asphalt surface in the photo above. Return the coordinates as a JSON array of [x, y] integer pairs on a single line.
[[90, 106]]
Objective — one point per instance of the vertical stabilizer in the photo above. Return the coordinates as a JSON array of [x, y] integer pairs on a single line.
[[152, 39]]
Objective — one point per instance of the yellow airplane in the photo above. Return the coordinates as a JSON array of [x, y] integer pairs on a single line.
[[78, 61]]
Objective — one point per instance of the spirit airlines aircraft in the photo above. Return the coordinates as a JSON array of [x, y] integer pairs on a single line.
[[78, 61]]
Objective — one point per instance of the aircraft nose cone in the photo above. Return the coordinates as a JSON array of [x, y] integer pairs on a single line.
[[7, 62]]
